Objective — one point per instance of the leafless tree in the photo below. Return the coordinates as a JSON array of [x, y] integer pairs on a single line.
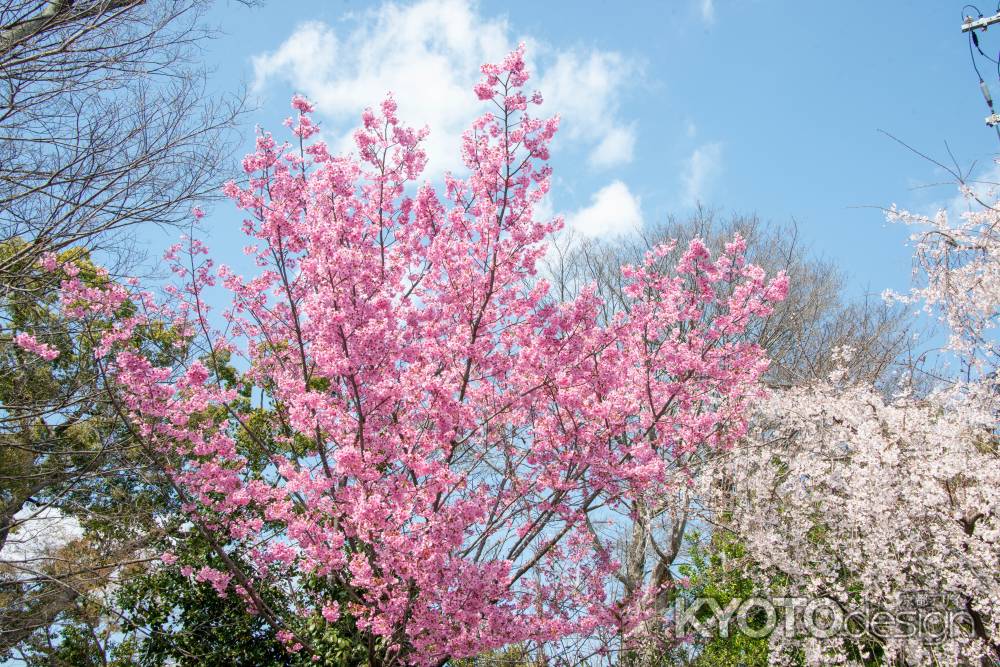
[[816, 318], [106, 126], [105, 123]]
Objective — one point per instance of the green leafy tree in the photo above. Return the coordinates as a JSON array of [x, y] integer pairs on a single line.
[[78, 498], [172, 619], [717, 570]]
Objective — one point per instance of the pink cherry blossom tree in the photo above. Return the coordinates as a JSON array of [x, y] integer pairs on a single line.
[[443, 440]]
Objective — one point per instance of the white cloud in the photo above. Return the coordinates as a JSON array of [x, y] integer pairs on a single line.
[[38, 534], [428, 55], [613, 211], [708, 11], [308, 55], [544, 210], [703, 166], [584, 88], [616, 148]]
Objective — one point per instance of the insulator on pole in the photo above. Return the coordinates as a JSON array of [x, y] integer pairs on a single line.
[[986, 93]]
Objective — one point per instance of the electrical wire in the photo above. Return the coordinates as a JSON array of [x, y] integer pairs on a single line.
[[979, 14], [975, 40], [972, 57], [966, 17]]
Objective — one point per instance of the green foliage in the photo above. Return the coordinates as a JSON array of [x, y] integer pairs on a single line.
[[175, 620], [338, 644], [172, 619], [717, 571], [62, 449], [720, 569]]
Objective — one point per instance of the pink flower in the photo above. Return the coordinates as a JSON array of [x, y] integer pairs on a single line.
[[302, 104], [49, 262], [28, 342], [331, 612], [218, 579]]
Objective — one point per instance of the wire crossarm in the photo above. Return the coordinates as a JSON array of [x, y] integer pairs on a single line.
[[981, 23]]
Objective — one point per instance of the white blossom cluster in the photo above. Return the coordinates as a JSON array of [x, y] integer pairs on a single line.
[[957, 270]]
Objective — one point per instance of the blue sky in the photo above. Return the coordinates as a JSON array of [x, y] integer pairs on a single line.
[[744, 105]]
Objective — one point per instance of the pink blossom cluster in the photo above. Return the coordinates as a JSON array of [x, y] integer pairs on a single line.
[[26, 341]]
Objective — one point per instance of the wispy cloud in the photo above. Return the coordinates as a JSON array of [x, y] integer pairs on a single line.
[[615, 148], [707, 8], [584, 87], [702, 168]]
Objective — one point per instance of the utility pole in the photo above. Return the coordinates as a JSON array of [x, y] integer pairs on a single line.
[[971, 25]]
